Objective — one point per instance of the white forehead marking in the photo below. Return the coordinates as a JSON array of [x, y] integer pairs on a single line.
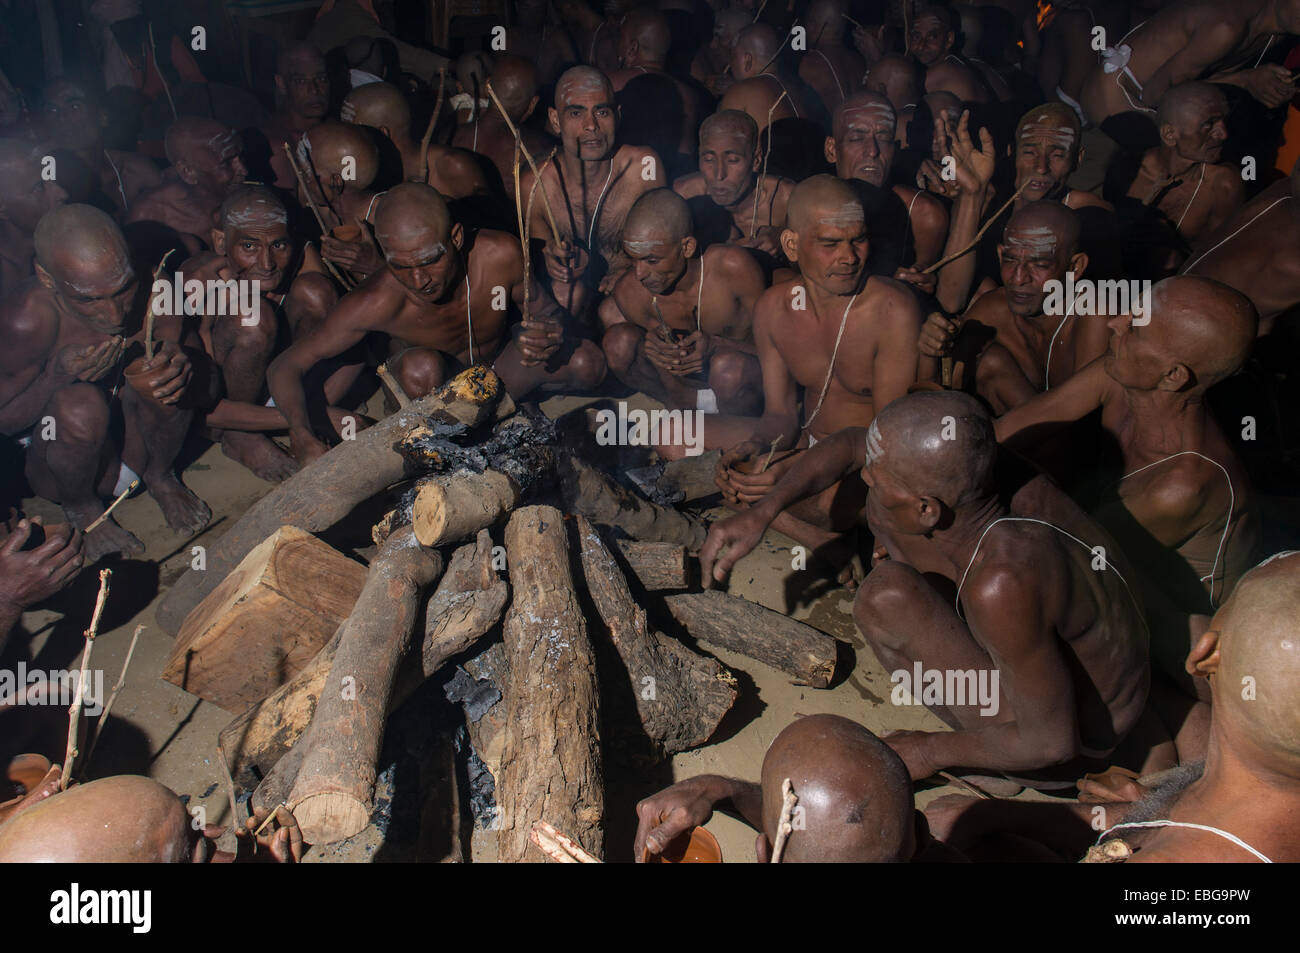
[[1058, 135], [256, 211], [847, 215], [1036, 238], [875, 446], [428, 252], [643, 247], [870, 113]]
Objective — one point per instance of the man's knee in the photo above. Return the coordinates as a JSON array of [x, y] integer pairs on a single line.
[[620, 345], [882, 599], [80, 413], [420, 370], [586, 368], [728, 373], [231, 334]]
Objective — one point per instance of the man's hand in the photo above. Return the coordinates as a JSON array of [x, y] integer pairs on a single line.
[[661, 352], [564, 262], [171, 372], [1115, 785], [694, 352], [974, 164], [304, 446], [930, 177], [1272, 85], [729, 541], [729, 460], [665, 816], [921, 282], [911, 747], [92, 361], [937, 335], [28, 577], [539, 338], [360, 258]]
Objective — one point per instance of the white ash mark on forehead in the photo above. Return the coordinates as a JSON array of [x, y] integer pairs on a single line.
[[875, 445], [428, 253], [257, 212], [846, 216], [643, 247], [1034, 238], [1041, 129], [868, 113]]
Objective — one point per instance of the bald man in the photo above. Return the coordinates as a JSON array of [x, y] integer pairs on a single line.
[[1184, 509], [729, 180], [206, 164], [381, 106], [339, 162], [981, 567], [831, 69], [712, 63], [75, 120], [762, 87], [644, 40], [1218, 40], [1012, 349], [25, 195], [252, 241], [932, 40], [514, 80], [678, 325], [1182, 177], [900, 79], [854, 792], [591, 183], [442, 298], [848, 340], [302, 91], [128, 819], [1257, 251], [68, 332], [862, 146]]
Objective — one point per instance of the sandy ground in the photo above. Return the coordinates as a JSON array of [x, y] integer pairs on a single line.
[[159, 730]]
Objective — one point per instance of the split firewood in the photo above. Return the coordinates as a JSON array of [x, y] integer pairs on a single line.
[[758, 633], [551, 757], [561, 848], [266, 620], [467, 603], [657, 566], [594, 495], [326, 490], [689, 693], [333, 794]]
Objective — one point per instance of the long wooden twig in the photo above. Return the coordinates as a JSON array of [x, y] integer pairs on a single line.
[[546, 202], [433, 121], [784, 827], [112, 506], [158, 69], [148, 314], [559, 847], [753, 218], [320, 220], [963, 783], [112, 696], [978, 235], [74, 712], [399, 393]]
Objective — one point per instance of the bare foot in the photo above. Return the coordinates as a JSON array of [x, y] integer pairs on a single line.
[[258, 453], [184, 511], [105, 539]]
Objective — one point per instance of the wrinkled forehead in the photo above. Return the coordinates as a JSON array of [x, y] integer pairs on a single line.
[[584, 91], [865, 116], [928, 23], [1201, 107], [413, 236], [259, 216], [104, 273], [1032, 238], [725, 137], [1047, 129]]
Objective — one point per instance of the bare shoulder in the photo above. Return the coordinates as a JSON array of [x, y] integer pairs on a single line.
[[730, 261], [891, 302], [28, 321], [773, 304], [372, 304], [1183, 487], [690, 185], [495, 250], [1013, 560], [313, 289], [1081, 199]]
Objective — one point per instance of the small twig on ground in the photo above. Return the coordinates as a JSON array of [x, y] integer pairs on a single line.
[[74, 712], [559, 847], [112, 506], [112, 696]]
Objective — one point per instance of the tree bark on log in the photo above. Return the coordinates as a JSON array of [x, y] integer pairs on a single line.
[[551, 759], [467, 603], [758, 633], [657, 566], [680, 695], [333, 793], [326, 490], [450, 508], [590, 493]]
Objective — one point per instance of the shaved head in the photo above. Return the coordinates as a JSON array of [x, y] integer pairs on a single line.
[[329, 144], [412, 208], [898, 77], [74, 239], [1188, 101], [584, 79], [824, 199], [299, 58], [1054, 119], [252, 205], [1203, 324], [855, 796], [731, 123], [649, 30], [379, 106], [1259, 639], [189, 134], [1044, 223], [938, 444], [514, 80], [122, 819], [658, 216]]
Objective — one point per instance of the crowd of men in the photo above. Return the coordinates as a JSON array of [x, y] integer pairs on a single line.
[[992, 305]]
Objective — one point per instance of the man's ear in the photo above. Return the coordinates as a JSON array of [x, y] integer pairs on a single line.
[[1203, 659], [457, 236], [929, 512], [218, 241], [280, 86], [1079, 264], [689, 245], [532, 104], [747, 60], [790, 244], [762, 849], [387, 135], [828, 149], [185, 172], [1176, 378], [1168, 134], [45, 278], [553, 119]]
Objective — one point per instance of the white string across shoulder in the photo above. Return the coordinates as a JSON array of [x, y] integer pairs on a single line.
[[1195, 827], [1197, 260]]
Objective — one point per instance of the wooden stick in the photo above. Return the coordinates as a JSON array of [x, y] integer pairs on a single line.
[[433, 121], [74, 712], [546, 202], [772, 58], [753, 218], [112, 506], [158, 69], [148, 314], [853, 21], [112, 696], [224, 761], [269, 818], [784, 828], [760, 11], [559, 847], [978, 235], [770, 454], [399, 393], [302, 183], [963, 783]]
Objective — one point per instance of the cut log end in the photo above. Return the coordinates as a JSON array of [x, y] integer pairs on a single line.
[[330, 816]]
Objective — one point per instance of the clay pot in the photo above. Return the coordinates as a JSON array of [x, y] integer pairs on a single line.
[[346, 233], [139, 379], [696, 846]]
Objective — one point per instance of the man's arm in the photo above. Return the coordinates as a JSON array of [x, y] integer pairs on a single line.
[[896, 327], [690, 803], [780, 397], [1208, 43], [1076, 398]]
